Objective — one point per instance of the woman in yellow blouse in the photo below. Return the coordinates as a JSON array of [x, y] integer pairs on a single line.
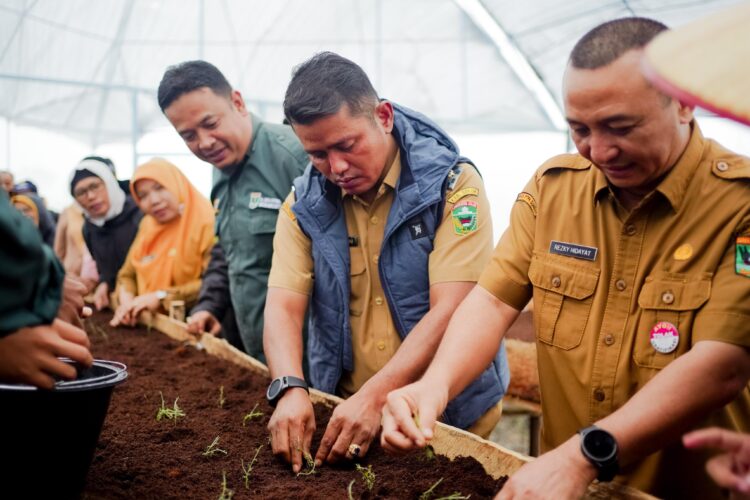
[[173, 244]]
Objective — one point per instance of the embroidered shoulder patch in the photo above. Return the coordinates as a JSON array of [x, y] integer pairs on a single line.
[[529, 200], [465, 217], [462, 193], [742, 256], [288, 210]]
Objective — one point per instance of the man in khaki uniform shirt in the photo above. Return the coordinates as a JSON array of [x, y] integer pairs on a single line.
[[630, 251], [406, 268]]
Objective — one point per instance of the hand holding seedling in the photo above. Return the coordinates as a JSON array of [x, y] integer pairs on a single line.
[[203, 321], [409, 416], [354, 421], [101, 296], [292, 425], [30, 355], [127, 312], [72, 304]]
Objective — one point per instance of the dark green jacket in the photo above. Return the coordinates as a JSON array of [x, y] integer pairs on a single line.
[[248, 197], [31, 277]]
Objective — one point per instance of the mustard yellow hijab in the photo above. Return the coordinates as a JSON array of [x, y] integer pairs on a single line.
[[171, 254]]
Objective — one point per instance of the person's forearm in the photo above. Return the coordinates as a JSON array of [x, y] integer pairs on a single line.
[[418, 348], [282, 332], [704, 379], [187, 292], [471, 341]]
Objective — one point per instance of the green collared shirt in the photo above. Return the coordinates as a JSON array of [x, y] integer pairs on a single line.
[[248, 197]]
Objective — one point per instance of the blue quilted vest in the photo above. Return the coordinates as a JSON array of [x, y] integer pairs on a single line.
[[427, 156]]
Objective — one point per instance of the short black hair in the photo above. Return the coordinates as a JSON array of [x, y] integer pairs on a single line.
[[607, 42], [322, 84], [188, 76]]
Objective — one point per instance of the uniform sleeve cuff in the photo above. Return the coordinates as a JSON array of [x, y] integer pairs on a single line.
[[723, 327], [510, 292]]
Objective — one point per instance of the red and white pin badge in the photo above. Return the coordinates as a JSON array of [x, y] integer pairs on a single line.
[[664, 337]]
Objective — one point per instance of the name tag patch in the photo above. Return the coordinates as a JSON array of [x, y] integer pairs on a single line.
[[573, 250], [257, 200]]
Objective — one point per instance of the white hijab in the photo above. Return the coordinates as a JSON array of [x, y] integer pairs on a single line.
[[116, 195]]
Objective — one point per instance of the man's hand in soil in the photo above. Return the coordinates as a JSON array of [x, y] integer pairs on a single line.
[[729, 470], [561, 473], [203, 321], [101, 296], [72, 303], [29, 355], [292, 425], [356, 421], [409, 416]]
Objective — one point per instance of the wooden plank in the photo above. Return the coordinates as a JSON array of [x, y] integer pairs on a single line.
[[448, 441]]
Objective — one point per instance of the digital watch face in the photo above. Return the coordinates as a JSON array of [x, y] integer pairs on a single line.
[[600, 445]]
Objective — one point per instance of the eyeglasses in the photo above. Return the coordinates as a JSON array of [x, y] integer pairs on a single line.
[[92, 188]]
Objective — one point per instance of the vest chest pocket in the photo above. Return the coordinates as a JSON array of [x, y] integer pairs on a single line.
[[563, 294], [674, 298]]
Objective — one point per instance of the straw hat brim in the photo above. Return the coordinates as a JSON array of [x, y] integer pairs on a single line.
[[706, 63]]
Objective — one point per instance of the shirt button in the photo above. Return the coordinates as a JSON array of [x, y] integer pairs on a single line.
[[375, 258], [621, 285], [599, 395], [667, 297], [609, 339], [722, 166], [379, 301], [556, 282], [381, 345], [374, 219], [630, 229]]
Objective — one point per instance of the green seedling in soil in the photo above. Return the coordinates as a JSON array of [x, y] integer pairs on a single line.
[[427, 495], [429, 454], [349, 489], [94, 328], [169, 413], [246, 471], [368, 476], [213, 448], [429, 451], [254, 413], [310, 464], [221, 397], [226, 493]]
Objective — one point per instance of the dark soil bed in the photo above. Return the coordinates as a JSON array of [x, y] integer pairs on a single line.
[[140, 457]]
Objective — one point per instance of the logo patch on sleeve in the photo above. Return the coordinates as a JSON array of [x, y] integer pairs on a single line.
[[529, 200], [461, 193], [465, 217], [742, 256]]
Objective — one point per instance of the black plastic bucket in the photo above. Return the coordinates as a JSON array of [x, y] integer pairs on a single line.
[[48, 438]]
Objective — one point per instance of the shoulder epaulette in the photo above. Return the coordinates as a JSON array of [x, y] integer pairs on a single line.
[[566, 161]]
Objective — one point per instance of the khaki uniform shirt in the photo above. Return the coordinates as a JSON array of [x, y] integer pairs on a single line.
[[602, 278], [455, 257]]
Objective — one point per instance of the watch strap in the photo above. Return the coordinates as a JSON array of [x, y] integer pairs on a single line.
[[286, 382]]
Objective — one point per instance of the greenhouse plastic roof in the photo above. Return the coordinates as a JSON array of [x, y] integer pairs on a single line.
[[90, 68]]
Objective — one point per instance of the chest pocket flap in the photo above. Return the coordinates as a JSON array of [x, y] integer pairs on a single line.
[[571, 281], [563, 293], [675, 292], [674, 298]]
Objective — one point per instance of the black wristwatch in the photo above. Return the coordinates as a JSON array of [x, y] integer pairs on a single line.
[[280, 385], [600, 448]]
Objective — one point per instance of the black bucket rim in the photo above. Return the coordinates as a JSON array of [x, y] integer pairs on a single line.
[[118, 373]]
